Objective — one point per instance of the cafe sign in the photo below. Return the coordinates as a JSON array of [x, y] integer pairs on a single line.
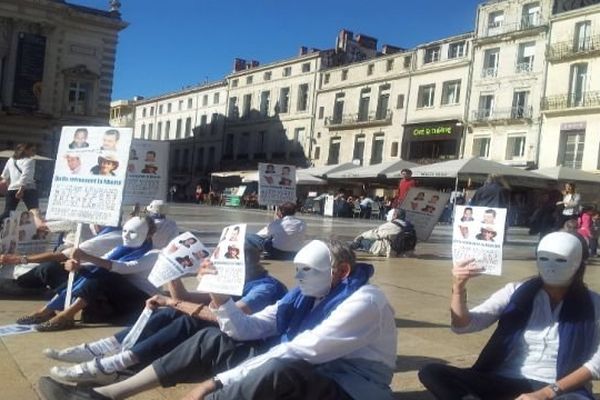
[[438, 131]]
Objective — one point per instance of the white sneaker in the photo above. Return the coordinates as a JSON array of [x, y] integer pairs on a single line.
[[86, 373], [75, 354]]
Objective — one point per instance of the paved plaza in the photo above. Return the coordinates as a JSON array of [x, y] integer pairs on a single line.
[[418, 288]]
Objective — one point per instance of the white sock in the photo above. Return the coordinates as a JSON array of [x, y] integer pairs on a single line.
[[104, 346], [144, 380], [118, 362]]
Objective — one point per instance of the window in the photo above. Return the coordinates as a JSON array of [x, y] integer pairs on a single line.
[[520, 105], [432, 54], [407, 62], [160, 109], [188, 126], [394, 152], [200, 159], [159, 131], [267, 76], [152, 111], [491, 58], [582, 36], [150, 131], [400, 102], [359, 148], [426, 96], [284, 100], [326, 78], [216, 98], [338, 108], [205, 100], [451, 93], [321, 112], [306, 67], [233, 111], [180, 105], [370, 69], [377, 148], [486, 106], [383, 102], [302, 97], [79, 98], [234, 83], [531, 15], [481, 147], [389, 65], [457, 50], [247, 106], [229, 145], [495, 22], [578, 80], [203, 120], [178, 129], [363, 104], [143, 110], [264, 102], [299, 135], [317, 153], [334, 151], [143, 131], [572, 143], [526, 57], [344, 74], [167, 129], [169, 107], [515, 147], [249, 80], [243, 146], [287, 71]]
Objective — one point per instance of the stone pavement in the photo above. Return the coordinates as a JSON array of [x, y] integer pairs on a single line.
[[417, 287]]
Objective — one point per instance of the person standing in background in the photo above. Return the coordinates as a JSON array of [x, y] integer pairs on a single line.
[[404, 186], [570, 203]]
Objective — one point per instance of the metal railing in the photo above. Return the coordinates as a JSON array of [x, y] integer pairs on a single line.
[[571, 100], [504, 114], [526, 22], [573, 48], [490, 72], [372, 118], [524, 67]]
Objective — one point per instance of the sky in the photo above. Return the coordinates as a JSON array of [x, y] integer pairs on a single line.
[[176, 43]]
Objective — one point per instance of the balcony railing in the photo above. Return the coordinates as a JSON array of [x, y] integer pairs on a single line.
[[571, 100], [571, 49], [351, 120], [490, 72], [527, 22], [524, 67], [502, 114]]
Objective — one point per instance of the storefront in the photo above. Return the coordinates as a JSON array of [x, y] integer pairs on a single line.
[[432, 142]]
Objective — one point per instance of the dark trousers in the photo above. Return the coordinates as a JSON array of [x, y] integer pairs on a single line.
[[450, 383], [166, 329], [203, 355], [283, 379], [266, 245], [30, 198], [48, 274]]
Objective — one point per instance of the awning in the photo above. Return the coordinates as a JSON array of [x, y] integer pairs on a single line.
[[242, 174], [373, 171], [9, 154], [325, 170], [564, 174], [302, 178]]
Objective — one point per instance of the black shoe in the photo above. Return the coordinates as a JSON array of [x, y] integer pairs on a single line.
[[53, 390]]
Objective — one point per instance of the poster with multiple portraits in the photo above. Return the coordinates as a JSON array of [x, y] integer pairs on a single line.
[[147, 172], [228, 260], [276, 184], [478, 233], [20, 235], [182, 256], [423, 209], [89, 175]]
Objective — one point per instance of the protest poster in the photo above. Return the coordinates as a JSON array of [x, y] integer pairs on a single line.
[[147, 172], [30, 239], [328, 207], [182, 256], [228, 259], [136, 330], [15, 329], [9, 235], [89, 175], [478, 233], [423, 209], [276, 184]]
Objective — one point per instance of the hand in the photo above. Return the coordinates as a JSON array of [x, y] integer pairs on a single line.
[[465, 270], [72, 265], [206, 268], [544, 393], [19, 194], [201, 390], [10, 259], [78, 254], [157, 301]]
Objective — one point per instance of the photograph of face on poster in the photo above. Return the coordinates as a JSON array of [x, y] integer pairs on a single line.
[[231, 243]]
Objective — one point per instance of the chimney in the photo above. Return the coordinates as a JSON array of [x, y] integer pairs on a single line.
[[303, 50], [389, 49], [239, 64], [367, 42]]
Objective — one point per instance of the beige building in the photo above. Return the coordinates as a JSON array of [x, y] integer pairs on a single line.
[[571, 106], [122, 113], [508, 77], [56, 68]]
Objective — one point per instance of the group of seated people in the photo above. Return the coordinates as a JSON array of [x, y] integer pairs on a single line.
[[333, 336]]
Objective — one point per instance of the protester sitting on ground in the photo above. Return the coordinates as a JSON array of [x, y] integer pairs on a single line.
[[166, 228], [342, 348], [112, 287], [178, 318], [282, 238], [378, 241], [546, 341]]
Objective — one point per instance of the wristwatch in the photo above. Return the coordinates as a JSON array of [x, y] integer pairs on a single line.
[[556, 389], [24, 260]]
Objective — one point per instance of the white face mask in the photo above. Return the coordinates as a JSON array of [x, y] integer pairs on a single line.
[[559, 257], [313, 269], [135, 232], [157, 207]]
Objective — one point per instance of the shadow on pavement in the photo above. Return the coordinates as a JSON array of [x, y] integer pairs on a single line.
[[424, 395], [409, 323], [415, 363]]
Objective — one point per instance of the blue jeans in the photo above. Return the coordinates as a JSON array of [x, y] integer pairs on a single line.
[[266, 245]]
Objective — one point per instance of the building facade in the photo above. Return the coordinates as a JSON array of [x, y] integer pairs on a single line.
[[56, 68]]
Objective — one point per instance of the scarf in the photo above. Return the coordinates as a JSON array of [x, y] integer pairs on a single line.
[[295, 312]]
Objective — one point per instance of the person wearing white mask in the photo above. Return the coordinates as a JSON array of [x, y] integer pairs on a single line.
[[119, 277], [166, 228], [333, 336], [546, 344]]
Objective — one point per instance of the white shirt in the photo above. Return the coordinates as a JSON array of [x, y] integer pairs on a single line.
[[287, 232], [166, 230], [366, 202], [361, 327], [99, 245], [536, 355], [19, 179], [571, 203], [137, 271]]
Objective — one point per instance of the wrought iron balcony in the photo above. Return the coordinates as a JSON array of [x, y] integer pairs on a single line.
[[502, 114], [527, 22], [490, 72], [524, 67], [345, 121], [574, 48], [571, 100]]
